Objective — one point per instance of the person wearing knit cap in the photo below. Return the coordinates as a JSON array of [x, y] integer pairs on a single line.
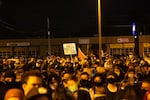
[[14, 94]]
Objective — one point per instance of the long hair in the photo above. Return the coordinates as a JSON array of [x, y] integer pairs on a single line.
[[61, 94]]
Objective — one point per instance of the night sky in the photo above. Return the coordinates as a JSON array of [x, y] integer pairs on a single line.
[[71, 18]]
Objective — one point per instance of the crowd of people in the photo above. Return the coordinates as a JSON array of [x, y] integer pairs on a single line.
[[65, 78]]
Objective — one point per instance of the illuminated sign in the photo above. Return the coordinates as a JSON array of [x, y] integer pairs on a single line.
[[120, 40]]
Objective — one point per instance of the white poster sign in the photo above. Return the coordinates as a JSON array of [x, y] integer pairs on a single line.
[[69, 48]]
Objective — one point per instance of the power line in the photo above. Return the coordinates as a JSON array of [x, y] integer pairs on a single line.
[[13, 27]]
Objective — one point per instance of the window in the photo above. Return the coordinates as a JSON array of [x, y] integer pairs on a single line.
[[120, 51], [146, 51]]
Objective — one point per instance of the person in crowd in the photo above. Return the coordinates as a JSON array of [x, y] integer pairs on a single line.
[[69, 66], [100, 70], [65, 77], [84, 86], [130, 87], [130, 93], [56, 74], [61, 94], [145, 71], [72, 87], [9, 82], [131, 77], [12, 64], [31, 79], [54, 83], [14, 94], [11, 79], [31, 64], [89, 71], [2, 86], [108, 65], [146, 89], [10, 76], [131, 56], [112, 89], [98, 89], [119, 73]]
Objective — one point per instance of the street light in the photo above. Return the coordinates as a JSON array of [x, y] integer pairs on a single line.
[[136, 39], [99, 30]]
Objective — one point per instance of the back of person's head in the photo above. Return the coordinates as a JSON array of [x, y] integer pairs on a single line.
[[61, 94], [132, 93], [146, 84], [10, 76], [111, 73], [98, 78], [14, 93], [84, 75], [147, 80], [100, 69]]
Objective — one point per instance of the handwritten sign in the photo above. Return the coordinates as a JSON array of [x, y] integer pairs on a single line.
[[69, 48]]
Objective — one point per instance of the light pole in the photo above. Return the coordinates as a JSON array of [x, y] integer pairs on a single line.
[[99, 30], [49, 43], [136, 39]]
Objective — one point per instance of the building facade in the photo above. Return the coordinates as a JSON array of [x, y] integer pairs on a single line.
[[115, 45]]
